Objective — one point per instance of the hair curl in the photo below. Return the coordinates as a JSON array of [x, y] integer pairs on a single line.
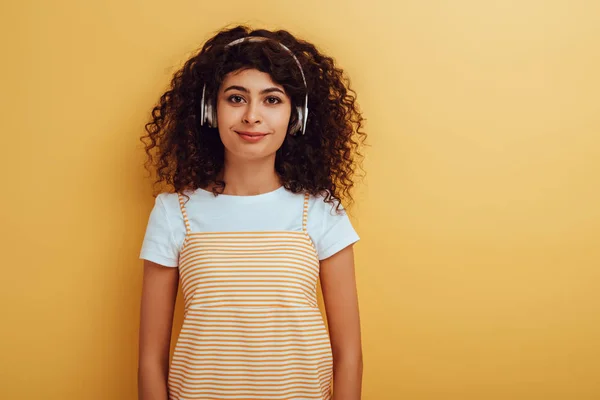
[[324, 160]]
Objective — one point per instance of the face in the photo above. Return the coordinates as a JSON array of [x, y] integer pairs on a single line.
[[253, 114]]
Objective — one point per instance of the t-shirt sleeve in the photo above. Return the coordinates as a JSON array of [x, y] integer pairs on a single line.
[[159, 243], [337, 231]]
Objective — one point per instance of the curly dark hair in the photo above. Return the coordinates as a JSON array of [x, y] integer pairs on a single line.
[[187, 155]]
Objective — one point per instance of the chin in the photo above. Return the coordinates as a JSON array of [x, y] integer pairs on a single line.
[[249, 155], [250, 151]]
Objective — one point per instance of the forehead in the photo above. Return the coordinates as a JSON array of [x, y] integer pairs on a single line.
[[250, 79]]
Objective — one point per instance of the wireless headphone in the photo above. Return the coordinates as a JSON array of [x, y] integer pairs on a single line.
[[208, 111]]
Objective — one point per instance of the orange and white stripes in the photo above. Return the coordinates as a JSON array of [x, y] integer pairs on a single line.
[[252, 328]]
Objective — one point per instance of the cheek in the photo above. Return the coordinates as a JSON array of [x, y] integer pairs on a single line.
[[226, 116], [282, 120]]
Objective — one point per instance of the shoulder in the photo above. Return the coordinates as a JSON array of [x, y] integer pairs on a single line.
[[160, 243], [317, 205], [320, 204], [331, 228], [172, 201], [168, 204]]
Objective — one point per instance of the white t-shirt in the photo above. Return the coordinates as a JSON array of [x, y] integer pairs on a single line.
[[273, 211]]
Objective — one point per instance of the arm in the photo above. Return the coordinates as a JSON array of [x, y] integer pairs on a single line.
[[338, 284], [159, 292]]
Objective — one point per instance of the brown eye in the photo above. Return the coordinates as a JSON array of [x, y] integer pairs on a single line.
[[236, 99], [273, 100]]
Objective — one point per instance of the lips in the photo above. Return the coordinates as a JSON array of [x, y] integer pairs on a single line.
[[252, 133], [252, 137]]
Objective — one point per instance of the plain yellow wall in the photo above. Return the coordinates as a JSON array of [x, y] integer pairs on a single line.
[[478, 268]]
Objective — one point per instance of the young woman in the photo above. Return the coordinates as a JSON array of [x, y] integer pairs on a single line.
[[258, 135]]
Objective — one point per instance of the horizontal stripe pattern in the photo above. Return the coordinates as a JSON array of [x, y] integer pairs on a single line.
[[252, 328]]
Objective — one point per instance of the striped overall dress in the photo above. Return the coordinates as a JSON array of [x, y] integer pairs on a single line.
[[252, 328]]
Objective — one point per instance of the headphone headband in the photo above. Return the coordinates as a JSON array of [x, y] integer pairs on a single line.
[[264, 39]]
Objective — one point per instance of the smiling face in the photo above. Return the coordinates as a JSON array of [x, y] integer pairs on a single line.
[[253, 114]]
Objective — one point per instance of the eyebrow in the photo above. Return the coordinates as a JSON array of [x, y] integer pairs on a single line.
[[243, 89]]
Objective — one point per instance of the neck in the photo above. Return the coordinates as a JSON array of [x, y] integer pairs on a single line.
[[250, 178]]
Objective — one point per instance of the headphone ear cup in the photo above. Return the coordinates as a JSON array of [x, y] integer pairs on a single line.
[[211, 115], [294, 129], [208, 114]]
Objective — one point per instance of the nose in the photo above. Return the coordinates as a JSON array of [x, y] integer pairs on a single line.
[[251, 114]]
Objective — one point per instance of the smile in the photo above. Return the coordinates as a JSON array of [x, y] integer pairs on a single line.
[[251, 136]]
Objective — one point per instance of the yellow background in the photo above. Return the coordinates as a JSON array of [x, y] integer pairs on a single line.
[[478, 268]]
